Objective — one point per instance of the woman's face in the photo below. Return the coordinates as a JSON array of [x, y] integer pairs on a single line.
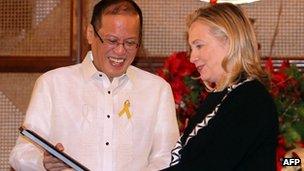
[[207, 52]]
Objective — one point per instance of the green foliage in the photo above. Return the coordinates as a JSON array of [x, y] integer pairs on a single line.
[[287, 88]]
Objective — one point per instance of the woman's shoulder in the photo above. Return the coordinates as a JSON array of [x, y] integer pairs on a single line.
[[251, 95], [252, 88], [252, 101]]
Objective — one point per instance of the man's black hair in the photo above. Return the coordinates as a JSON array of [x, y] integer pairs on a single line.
[[102, 8]]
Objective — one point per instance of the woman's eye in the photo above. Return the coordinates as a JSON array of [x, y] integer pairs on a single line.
[[198, 46]]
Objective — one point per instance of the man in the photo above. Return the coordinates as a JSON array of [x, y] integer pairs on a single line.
[[106, 114]]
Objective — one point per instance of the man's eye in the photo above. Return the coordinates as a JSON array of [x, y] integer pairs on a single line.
[[130, 43], [112, 41]]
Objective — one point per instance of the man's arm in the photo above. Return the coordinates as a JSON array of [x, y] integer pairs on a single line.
[[25, 155], [166, 131]]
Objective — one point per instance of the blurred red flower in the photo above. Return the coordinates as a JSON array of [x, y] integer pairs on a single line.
[[187, 88], [287, 89]]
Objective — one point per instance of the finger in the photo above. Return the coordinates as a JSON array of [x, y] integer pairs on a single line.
[[52, 163], [59, 147], [52, 159], [45, 153], [55, 166]]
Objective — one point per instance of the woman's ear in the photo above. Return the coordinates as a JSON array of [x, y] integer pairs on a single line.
[[90, 34]]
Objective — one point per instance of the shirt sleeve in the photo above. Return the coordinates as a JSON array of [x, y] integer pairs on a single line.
[[166, 131], [25, 155]]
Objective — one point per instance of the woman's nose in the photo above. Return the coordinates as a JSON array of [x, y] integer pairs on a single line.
[[193, 57]]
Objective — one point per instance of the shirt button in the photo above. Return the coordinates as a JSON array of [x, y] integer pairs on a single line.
[[107, 143], [108, 116], [109, 92]]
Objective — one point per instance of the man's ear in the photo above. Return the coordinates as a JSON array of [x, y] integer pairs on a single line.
[[90, 34]]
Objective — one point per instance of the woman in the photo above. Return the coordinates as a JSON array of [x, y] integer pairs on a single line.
[[236, 126]]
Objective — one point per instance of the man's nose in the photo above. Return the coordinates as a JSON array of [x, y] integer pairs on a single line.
[[120, 49]]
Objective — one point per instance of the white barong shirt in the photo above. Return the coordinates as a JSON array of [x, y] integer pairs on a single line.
[[79, 107]]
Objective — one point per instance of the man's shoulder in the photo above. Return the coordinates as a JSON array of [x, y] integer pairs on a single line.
[[145, 76], [62, 73]]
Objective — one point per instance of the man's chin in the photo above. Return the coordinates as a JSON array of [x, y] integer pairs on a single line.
[[116, 71], [117, 74]]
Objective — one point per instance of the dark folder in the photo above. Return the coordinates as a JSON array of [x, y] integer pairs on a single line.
[[52, 150]]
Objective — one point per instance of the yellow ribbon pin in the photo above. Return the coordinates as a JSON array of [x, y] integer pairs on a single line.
[[125, 109]]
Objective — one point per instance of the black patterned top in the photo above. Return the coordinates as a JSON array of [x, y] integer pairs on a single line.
[[241, 136]]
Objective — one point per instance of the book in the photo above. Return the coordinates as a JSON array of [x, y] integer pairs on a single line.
[[37, 139]]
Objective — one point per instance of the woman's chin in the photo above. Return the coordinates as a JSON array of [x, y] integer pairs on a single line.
[[204, 78]]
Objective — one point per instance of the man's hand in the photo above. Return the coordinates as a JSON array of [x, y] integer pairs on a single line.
[[51, 163]]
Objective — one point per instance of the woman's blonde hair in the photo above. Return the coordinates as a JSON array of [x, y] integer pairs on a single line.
[[228, 22]]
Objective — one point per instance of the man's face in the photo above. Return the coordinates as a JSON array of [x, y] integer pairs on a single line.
[[114, 55]]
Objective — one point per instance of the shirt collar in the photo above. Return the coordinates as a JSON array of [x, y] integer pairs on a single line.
[[90, 71], [88, 68]]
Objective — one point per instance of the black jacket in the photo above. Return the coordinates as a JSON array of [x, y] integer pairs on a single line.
[[242, 136]]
